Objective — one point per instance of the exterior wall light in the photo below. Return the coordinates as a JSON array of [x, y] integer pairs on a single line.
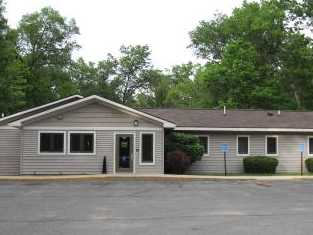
[[136, 123]]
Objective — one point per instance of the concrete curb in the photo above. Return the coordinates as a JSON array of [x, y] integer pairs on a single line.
[[150, 178]]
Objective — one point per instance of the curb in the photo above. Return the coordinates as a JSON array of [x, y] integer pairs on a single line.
[[151, 178]]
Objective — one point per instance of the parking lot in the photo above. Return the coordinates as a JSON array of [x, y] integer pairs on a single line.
[[143, 207]]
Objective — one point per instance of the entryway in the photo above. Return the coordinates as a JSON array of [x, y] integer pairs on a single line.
[[124, 153]]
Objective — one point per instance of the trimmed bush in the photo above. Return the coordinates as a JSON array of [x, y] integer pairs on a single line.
[[260, 165], [177, 162], [187, 143], [309, 164]]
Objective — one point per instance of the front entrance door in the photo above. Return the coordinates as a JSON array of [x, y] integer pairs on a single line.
[[124, 153]]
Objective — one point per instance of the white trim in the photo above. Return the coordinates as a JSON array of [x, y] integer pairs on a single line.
[[237, 147], [308, 146], [114, 149], [51, 153], [243, 129], [208, 143], [81, 132], [277, 150], [8, 128], [39, 107], [140, 150], [121, 107], [91, 128]]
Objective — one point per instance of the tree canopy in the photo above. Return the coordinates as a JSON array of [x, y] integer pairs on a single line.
[[259, 56]]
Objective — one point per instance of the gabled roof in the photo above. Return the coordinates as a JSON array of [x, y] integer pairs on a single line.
[[89, 99], [236, 120], [38, 109]]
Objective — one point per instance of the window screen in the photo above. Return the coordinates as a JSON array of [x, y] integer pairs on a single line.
[[51, 142], [147, 148], [81, 142], [271, 145], [204, 142], [243, 145]]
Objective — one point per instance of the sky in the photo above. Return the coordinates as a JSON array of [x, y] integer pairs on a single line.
[[105, 25]]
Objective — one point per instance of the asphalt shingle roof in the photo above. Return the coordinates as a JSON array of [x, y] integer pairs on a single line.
[[213, 118]]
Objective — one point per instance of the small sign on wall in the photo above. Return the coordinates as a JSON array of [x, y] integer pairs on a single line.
[[224, 148], [301, 148]]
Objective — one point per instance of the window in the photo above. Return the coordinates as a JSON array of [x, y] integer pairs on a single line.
[[204, 141], [243, 145], [310, 145], [147, 149], [51, 142], [271, 145], [82, 143]]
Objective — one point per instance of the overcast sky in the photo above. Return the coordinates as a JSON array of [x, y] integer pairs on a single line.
[[107, 24]]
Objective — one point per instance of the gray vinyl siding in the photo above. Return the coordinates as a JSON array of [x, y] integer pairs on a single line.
[[93, 116], [288, 147], [9, 151], [34, 163]]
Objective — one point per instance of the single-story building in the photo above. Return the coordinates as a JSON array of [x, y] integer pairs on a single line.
[[74, 136]]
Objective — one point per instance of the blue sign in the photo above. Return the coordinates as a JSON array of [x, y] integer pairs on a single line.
[[224, 148], [301, 147]]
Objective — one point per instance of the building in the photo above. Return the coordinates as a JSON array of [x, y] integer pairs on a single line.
[[74, 136]]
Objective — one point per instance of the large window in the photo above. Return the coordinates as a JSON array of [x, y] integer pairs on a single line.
[[310, 145], [51, 142], [271, 145], [147, 149], [82, 143], [204, 141], [243, 145]]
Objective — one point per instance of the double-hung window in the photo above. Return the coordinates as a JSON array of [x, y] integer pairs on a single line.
[[271, 145], [310, 145], [204, 141], [82, 143], [51, 142], [243, 145], [147, 148]]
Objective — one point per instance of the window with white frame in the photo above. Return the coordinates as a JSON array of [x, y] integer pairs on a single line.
[[271, 145], [204, 141], [81, 142], [243, 145], [310, 145], [147, 154], [51, 142]]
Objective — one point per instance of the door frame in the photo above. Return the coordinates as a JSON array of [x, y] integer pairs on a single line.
[[114, 149]]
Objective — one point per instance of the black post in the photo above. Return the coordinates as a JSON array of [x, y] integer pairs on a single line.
[[225, 169], [301, 163]]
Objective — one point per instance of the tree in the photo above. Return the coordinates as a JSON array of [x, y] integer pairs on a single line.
[[156, 94], [94, 79], [45, 44], [12, 70], [132, 72], [249, 55]]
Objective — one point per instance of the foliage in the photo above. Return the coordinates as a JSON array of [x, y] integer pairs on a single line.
[[251, 56], [176, 162], [259, 56], [45, 44], [186, 143], [309, 164], [132, 72], [260, 165]]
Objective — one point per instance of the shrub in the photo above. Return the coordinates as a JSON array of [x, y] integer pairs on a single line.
[[260, 164], [309, 164], [186, 143], [177, 162]]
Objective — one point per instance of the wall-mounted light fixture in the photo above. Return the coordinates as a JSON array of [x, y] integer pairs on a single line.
[[136, 123]]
